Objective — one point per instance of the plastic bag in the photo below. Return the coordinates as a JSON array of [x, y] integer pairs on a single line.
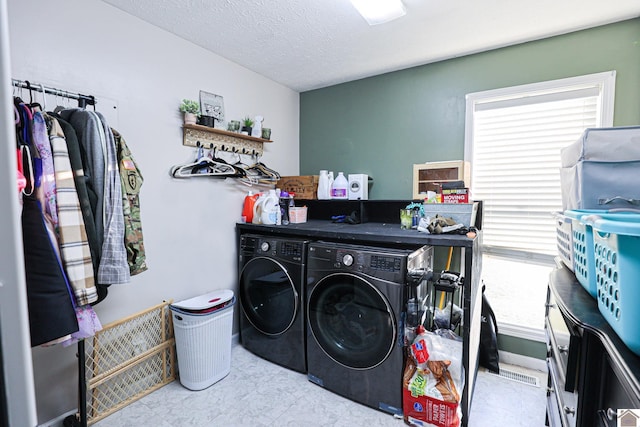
[[433, 381]]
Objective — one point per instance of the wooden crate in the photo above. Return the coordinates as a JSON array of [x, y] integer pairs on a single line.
[[304, 187]]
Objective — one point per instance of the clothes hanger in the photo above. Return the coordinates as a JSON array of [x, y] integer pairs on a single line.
[[204, 167], [267, 173], [44, 97], [34, 106], [60, 101]]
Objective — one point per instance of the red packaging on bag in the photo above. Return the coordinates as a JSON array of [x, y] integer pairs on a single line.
[[431, 384], [420, 409]]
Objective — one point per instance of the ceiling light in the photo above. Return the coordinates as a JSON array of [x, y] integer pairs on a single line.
[[379, 11]]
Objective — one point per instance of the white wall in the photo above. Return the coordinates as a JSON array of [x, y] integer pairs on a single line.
[[90, 47], [16, 372]]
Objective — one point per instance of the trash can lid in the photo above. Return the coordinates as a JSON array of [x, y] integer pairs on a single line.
[[206, 301]]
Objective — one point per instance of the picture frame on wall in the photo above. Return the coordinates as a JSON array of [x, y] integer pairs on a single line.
[[212, 105]]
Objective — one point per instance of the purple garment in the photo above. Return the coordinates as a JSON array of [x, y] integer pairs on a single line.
[[42, 144]]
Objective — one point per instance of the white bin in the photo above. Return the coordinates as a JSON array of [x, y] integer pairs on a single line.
[[202, 327]]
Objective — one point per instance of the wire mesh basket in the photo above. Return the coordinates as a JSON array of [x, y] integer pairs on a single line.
[[129, 359]]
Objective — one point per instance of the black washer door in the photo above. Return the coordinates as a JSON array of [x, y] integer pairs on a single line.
[[267, 295], [351, 321]]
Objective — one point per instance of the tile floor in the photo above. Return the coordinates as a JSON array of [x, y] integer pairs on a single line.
[[260, 393]]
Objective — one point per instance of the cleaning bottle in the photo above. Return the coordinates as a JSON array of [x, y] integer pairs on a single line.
[[324, 187], [247, 207], [270, 208], [330, 173], [257, 209], [284, 207], [340, 187]]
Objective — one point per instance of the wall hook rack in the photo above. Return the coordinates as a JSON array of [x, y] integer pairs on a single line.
[[204, 136]]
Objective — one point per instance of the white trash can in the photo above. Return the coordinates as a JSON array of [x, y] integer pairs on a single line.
[[202, 327]]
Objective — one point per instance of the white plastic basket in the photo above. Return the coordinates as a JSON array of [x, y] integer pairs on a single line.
[[203, 341]]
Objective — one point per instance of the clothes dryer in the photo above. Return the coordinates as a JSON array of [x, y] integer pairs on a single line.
[[272, 273], [356, 298]]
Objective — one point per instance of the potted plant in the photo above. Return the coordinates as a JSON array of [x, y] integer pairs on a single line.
[[247, 125], [191, 110]]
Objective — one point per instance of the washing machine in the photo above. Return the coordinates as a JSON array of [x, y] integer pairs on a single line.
[[272, 273], [356, 301]]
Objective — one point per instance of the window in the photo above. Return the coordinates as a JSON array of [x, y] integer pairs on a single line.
[[513, 139]]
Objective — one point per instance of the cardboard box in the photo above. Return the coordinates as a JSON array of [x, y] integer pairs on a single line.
[[304, 187], [455, 195]]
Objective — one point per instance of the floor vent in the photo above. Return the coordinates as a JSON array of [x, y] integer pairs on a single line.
[[518, 377]]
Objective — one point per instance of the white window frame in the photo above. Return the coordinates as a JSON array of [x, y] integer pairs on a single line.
[[603, 82]]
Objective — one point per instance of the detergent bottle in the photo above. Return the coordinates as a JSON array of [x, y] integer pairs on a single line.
[[339, 187], [270, 208], [324, 187], [257, 209], [247, 207]]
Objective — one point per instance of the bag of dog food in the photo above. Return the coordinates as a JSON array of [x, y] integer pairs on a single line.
[[433, 381]]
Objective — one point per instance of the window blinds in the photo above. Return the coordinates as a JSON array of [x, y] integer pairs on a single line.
[[515, 146]]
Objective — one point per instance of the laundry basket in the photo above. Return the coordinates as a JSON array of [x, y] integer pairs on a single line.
[[616, 243], [202, 327], [584, 263]]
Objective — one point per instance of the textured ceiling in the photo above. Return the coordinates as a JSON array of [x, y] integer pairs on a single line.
[[309, 44]]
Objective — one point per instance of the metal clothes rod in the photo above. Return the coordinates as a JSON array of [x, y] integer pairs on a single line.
[[83, 100]]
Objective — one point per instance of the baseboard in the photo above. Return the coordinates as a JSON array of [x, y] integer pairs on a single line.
[[58, 421], [524, 361]]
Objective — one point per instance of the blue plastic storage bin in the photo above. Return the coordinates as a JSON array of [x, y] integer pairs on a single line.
[[582, 248], [582, 243], [616, 243]]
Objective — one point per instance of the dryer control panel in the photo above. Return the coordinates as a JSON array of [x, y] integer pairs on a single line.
[[293, 250], [389, 264], [382, 265]]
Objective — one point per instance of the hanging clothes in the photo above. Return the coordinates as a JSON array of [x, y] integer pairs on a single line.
[[74, 247], [49, 297], [114, 267], [51, 311], [131, 179], [87, 132], [78, 158], [41, 143], [102, 172]]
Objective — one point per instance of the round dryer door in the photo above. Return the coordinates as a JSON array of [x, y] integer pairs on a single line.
[[351, 321], [267, 296]]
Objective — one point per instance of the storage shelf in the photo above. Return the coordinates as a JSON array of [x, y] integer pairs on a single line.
[[430, 176], [208, 137]]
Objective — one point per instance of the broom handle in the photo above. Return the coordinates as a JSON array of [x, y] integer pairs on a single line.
[[447, 269]]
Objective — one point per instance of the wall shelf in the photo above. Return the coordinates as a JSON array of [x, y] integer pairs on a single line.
[[208, 137]]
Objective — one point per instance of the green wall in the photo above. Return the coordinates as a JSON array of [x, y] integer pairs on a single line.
[[382, 125]]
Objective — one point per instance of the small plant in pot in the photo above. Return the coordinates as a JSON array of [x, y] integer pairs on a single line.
[[191, 110], [247, 125]]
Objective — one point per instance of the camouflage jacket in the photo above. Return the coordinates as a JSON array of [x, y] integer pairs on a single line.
[[131, 179]]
